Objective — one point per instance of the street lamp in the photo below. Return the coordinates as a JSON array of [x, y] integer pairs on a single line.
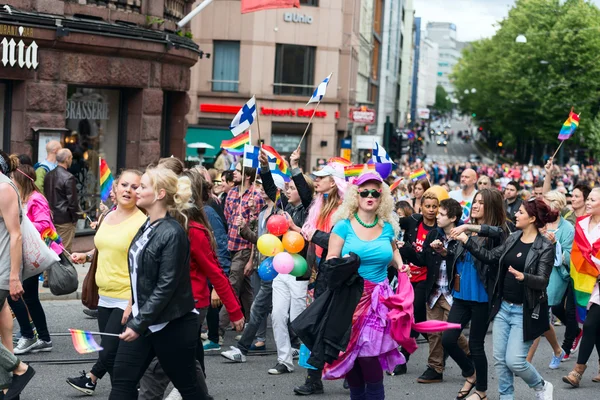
[[473, 90], [521, 39], [466, 91]]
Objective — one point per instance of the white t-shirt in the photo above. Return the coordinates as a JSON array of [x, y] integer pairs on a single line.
[[465, 203]]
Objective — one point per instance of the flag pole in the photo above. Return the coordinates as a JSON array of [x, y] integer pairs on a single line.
[[241, 190], [557, 149], [194, 12], [257, 119], [309, 122]]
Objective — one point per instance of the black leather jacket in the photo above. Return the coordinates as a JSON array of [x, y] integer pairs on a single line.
[[164, 290], [60, 188]]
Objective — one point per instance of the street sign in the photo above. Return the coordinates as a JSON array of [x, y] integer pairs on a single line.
[[363, 115], [365, 142], [423, 113]]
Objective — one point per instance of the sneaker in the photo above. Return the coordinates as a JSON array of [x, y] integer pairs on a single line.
[[546, 393], [41, 346], [90, 313], [25, 345], [430, 376], [174, 395], [83, 383], [18, 384], [555, 363], [295, 354], [311, 386], [204, 336], [566, 358], [254, 347], [400, 369], [211, 346], [235, 355], [279, 369], [577, 342]]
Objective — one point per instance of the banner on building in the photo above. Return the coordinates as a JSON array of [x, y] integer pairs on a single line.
[[363, 115]]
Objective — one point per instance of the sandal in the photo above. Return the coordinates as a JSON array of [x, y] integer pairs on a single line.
[[480, 398], [463, 394]]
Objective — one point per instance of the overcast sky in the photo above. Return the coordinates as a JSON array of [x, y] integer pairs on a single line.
[[474, 19]]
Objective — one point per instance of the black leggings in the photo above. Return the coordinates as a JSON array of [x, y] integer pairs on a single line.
[[420, 290], [175, 348], [461, 313], [31, 302], [567, 314], [591, 335], [109, 321]]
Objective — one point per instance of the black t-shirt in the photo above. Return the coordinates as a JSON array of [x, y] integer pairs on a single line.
[[513, 290]]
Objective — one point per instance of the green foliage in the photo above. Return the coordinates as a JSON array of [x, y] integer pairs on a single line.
[[525, 90], [442, 104], [153, 20]]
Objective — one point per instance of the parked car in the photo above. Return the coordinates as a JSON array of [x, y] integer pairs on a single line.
[[474, 158]]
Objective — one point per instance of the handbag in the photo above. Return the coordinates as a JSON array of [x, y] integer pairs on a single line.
[[62, 277], [37, 256], [89, 290]]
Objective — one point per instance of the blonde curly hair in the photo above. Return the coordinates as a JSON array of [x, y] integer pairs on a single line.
[[385, 211]]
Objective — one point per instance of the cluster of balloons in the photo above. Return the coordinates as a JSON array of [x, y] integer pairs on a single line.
[[282, 257]]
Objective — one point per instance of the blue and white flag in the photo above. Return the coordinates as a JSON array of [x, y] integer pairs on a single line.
[[251, 154], [381, 156], [320, 91], [244, 118]]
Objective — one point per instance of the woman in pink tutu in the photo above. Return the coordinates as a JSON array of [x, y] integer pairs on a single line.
[[366, 225]]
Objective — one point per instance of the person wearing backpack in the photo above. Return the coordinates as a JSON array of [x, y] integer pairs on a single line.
[[42, 168]]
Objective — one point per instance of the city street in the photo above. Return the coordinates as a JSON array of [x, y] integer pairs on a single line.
[[250, 381], [457, 150]]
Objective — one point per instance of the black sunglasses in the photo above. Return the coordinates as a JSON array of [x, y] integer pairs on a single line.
[[375, 193]]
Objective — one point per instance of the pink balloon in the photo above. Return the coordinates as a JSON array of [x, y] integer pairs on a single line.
[[283, 263]]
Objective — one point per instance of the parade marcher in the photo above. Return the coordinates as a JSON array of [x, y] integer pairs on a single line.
[[419, 188], [38, 212], [365, 224], [466, 193], [522, 265], [60, 188], [163, 320], [484, 182], [587, 240], [404, 209], [512, 200], [115, 232], [227, 183], [14, 374], [471, 291], [330, 186], [579, 197], [49, 164]]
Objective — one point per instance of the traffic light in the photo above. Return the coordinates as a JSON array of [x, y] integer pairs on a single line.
[[473, 115], [393, 149], [499, 144]]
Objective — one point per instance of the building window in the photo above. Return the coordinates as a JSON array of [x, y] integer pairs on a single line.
[[92, 121], [226, 66], [314, 3], [375, 59], [294, 70], [378, 17]]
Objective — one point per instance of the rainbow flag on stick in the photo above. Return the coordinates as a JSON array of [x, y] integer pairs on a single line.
[[84, 342], [106, 180], [280, 162], [418, 175], [339, 160], [583, 269], [49, 235], [355, 170], [395, 184], [569, 126], [236, 145]]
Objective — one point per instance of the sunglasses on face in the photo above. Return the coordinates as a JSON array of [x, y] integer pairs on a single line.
[[375, 193]]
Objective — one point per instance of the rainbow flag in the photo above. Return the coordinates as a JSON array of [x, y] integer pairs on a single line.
[[339, 160], [84, 342], [418, 175], [280, 162], [106, 180], [49, 235], [395, 184], [569, 126], [355, 170], [236, 145], [583, 270]]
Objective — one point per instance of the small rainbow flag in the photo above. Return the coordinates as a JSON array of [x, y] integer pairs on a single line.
[[418, 175], [583, 270], [106, 180], [339, 160], [49, 235], [236, 145], [280, 162], [569, 126], [395, 184], [355, 170], [84, 342]]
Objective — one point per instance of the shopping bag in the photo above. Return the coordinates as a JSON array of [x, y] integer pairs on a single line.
[[37, 256]]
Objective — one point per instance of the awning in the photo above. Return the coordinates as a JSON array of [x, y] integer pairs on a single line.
[[212, 136]]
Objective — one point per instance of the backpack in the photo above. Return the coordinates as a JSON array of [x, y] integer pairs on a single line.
[[40, 165]]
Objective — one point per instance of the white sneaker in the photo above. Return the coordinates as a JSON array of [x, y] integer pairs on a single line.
[[204, 336], [234, 355], [546, 393], [42, 346], [174, 395], [25, 345]]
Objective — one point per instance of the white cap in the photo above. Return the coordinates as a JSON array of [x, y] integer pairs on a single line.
[[328, 170]]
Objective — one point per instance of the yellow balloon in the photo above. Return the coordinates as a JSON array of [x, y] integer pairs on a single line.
[[269, 245], [440, 192]]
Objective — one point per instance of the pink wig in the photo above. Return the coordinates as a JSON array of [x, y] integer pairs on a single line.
[[315, 208]]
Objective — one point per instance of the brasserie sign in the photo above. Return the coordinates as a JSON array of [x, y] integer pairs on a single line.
[[17, 53]]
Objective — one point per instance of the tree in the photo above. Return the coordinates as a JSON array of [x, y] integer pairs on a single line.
[[525, 90], [442, 104]]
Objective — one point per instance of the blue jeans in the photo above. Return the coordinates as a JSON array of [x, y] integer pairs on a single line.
[[510, 351], [261, 308]]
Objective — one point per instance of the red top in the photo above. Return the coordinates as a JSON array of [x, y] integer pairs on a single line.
[[204, 264], [418, 272]]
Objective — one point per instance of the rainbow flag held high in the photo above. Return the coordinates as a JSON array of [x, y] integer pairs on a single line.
[[84, 342], [339, 160], [395, 184], [236, 145], [106, 180], [569, 126], [583, 269], [49, 235], [355, 170], [418, 174], [280, 162]]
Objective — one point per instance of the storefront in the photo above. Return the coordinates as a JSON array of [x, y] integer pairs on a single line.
[[104, 90]]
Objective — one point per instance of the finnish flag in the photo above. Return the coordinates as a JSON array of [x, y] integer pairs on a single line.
[[320, 91], [381, 156], [244, 118], [251, 154]]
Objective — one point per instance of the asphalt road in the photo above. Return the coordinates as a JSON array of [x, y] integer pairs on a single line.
[[456, 151], [251, 381]]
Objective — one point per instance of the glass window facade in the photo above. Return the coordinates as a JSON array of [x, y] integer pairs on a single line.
[[294, 70], [226, 66]]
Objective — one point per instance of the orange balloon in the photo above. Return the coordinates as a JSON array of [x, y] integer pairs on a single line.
[[293, 242], [440, 192]]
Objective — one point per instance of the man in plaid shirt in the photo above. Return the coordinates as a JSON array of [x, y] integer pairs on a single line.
[[241, 250]]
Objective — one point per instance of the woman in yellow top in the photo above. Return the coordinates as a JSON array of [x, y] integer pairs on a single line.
[[112, 274]]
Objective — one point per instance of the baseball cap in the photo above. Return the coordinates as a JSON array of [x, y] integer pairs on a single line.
[[328, 170], [369, 176]]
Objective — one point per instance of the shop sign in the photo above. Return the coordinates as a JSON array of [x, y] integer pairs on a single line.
[[365, 142], [363, 115], [290, 112], [17, 53], [423, 113], [87, 110], [298, 18]]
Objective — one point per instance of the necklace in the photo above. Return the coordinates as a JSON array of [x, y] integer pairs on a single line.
[[364, 224]]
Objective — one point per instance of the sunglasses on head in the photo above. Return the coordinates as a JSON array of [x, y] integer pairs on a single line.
[[375, 193]]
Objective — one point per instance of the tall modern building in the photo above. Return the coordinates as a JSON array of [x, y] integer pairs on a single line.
[[424, 73], [406, 64], [444, 34]]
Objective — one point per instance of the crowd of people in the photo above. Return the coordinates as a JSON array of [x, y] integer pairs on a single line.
[[175, 259]]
